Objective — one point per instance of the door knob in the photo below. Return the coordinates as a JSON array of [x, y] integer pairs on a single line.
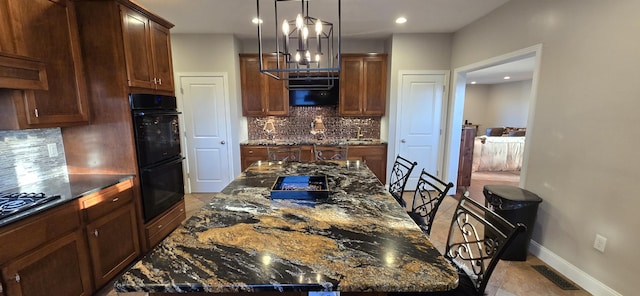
[[222, 142], [403, 141]]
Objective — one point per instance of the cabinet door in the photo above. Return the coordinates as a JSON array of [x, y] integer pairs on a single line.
[[374, 86], [135, 31], [161, 51], [59, 268], [276, 94], [251, 83], [375, 156], [251, 154], [52, 39], [351, 80], [117, 227]]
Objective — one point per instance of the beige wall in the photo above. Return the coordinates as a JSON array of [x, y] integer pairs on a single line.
[[410, 52], [583, 153], [214, 53], [502, 104]]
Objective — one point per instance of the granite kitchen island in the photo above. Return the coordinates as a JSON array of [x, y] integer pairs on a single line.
[[356, 240]]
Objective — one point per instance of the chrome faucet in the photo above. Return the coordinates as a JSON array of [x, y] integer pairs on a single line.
[[359, 133]]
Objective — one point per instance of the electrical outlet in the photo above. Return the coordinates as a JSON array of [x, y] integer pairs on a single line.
[[53, 149], [599, 243]]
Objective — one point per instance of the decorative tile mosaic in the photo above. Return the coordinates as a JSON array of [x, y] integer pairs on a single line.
[[298, 125], [24, 157]]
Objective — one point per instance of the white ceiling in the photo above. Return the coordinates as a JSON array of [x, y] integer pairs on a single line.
[[361, 19]]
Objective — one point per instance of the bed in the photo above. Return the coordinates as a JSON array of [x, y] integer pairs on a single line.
[[491, 154]]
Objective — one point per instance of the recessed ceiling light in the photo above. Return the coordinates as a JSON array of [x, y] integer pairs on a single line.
[[473, 82], [507, 77], [256, 21], [401, 20]]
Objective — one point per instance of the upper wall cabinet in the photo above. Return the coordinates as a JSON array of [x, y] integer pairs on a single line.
[[261, 95], [125, 44], [363, 84], [147, 48], [45, 33]]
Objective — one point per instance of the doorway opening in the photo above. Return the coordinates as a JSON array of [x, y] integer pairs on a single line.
[[491, 103]]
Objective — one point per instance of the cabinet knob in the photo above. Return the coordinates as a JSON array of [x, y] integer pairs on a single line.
[[223, 142], [115, 199], [160, 81], [159, 226], [17, 277], [95, 233], [403, 141], [35, 112]]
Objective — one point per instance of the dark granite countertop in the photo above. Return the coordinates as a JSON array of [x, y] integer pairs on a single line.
[[358, 239], [69, 187], [264, 142]]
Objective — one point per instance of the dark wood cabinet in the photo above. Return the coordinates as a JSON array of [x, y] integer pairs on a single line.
[[56, 250], [45, 253], [59, 267], [261, 95], [147, 51], [110, 215], [53, 41], [465, 163], [375, 156], [363, 84], [158, 228], [251, 154]]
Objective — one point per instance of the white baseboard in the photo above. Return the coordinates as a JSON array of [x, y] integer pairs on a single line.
[[570, 271]]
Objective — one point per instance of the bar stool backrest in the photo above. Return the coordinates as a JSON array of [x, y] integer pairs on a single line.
[[284, 153], [430, 191], [400, 173], [335, 152], [477, 239]]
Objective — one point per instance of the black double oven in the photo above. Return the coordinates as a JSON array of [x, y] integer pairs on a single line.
[[157, 137]]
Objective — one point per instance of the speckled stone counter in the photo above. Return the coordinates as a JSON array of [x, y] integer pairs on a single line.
[[359, 239]]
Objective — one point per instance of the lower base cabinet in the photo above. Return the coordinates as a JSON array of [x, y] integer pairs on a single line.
[[60, 267], [117, 228], [375, 156], [73, 249], [161, 226], [110, 219]]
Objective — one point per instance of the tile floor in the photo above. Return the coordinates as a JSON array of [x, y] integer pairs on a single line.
[[509, 277]]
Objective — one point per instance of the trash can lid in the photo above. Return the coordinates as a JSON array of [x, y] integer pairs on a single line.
[[512, 193]]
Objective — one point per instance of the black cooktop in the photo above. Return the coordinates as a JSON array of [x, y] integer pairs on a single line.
[[13, 203]]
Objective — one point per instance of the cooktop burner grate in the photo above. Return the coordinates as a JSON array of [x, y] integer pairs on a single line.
[[13, 203]]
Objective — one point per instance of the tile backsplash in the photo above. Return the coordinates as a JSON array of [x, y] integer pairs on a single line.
[[25, 157], [298, 125]]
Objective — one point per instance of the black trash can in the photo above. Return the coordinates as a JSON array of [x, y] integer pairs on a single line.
[[516, 205]]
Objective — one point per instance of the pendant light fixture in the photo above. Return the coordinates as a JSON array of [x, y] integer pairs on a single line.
[[304, 45]]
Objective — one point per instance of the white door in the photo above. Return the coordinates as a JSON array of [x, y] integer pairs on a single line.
[[420, 120], [205, 117]]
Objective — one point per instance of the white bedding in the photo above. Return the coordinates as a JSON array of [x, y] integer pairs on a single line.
[[498, 153]]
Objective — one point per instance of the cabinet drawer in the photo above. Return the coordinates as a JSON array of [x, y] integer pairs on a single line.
[[32, 232], [165, 224], [105, 201]]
